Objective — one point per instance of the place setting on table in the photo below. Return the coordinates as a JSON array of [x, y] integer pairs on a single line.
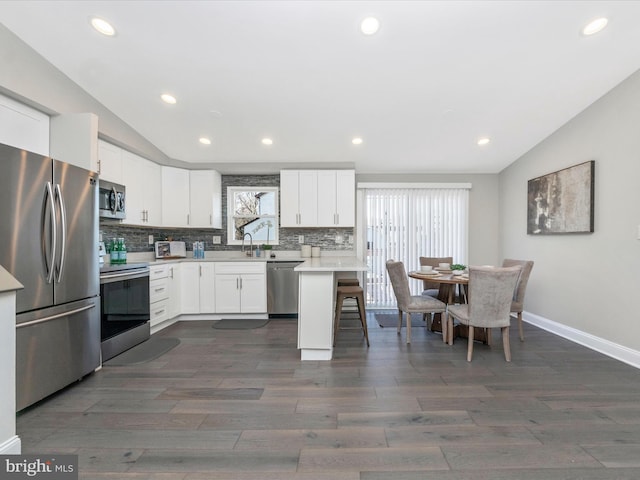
[[443, 273]]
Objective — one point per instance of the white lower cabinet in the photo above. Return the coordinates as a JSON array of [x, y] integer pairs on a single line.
[[198, 287], [175, 290], [241, 287], [158, 294]]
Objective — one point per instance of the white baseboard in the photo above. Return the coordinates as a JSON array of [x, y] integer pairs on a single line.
[[613, 350], [12, 446]]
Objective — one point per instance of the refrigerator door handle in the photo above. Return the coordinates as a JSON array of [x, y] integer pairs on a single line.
[[52, 221], [53, 317], [63, 230]]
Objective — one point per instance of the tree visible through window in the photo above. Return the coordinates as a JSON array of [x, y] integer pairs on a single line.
[[252, 210]]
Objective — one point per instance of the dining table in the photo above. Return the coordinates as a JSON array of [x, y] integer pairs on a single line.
[[453, 288]]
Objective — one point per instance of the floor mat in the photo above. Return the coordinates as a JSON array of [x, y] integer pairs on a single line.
[[391, 320], [144, 352], [239, 323]]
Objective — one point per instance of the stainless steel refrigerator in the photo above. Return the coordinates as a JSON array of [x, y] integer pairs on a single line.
[[48, 241]]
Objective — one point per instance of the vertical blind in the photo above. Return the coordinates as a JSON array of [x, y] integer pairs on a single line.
[[407, 223]]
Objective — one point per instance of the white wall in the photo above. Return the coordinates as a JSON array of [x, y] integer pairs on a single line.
[[586, 282]]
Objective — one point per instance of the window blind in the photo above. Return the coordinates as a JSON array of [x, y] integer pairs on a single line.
[[407, 223]]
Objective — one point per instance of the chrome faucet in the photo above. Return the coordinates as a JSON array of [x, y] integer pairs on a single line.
[[250, 252]]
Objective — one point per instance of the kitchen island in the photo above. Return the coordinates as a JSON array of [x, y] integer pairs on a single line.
[[316, 303], [10, 443]]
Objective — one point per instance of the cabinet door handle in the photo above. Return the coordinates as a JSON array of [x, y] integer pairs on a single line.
[[188, 220], [170, 272], [158, 312], [210, 219], [200, 269], [159, 289], [240, 283]]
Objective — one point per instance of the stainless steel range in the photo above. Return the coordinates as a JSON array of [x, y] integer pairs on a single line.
[[124, 302]]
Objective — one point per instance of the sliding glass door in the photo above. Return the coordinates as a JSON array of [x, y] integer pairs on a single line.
[[407, 223]]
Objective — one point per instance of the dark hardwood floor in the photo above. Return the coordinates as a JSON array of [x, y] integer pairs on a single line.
[[239, 404]]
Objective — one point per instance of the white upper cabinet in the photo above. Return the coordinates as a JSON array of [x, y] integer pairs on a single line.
[[163, 196], [23, 127], [142, 179], [205, 195], [74, 139], [175, 197], [299, 198], [110, 162], [317, 198], [191, 198], [345, 198]]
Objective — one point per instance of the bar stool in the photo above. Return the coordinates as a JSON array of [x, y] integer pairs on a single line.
[[351, 282], [350, 291]]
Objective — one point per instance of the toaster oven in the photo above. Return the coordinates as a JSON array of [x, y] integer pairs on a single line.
[[167, 249]]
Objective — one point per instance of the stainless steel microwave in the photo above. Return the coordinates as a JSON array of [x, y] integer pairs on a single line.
[[111, 200]]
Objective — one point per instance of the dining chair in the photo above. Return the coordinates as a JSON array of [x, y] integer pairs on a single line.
[[412, 303], [490, 294], [431, 288], [517, 304]]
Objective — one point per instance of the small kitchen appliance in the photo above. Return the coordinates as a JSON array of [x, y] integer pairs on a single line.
[[166, 249], [111, 200]]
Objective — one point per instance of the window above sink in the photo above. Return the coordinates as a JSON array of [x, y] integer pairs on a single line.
[[252, 210]]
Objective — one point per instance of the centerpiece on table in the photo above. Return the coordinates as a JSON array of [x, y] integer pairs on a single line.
[[458, 268]]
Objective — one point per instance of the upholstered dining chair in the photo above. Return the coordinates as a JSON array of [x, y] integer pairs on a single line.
[[490, 294], [517, 304], [432, 288], [411, 303]]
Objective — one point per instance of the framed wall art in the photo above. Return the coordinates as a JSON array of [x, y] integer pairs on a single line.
[[562, 201]]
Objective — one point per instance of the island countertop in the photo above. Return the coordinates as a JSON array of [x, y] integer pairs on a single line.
[[332, 264]]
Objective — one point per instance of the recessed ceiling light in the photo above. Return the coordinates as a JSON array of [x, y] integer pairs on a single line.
[[357, 141], [267, 141], [595, 26], [170, 99], [205, 141], [103, 26], [484, 141], [369, 25]]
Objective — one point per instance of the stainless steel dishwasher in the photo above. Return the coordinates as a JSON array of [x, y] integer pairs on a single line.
[[282, 288]]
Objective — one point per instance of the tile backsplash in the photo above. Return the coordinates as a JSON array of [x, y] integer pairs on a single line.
[[137, 237]]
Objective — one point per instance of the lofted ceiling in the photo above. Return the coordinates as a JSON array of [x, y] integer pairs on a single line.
[[437, 76]]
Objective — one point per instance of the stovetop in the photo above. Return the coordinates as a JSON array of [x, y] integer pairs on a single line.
[[126, 266]]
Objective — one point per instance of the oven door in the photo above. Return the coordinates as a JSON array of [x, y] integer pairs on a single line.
[[124, 301]]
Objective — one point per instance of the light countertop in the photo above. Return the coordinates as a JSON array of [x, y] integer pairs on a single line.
[[332, 264], [233, 256], [8, 281]]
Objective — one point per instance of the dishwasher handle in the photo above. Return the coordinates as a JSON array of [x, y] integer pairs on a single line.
[[282, 265]]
